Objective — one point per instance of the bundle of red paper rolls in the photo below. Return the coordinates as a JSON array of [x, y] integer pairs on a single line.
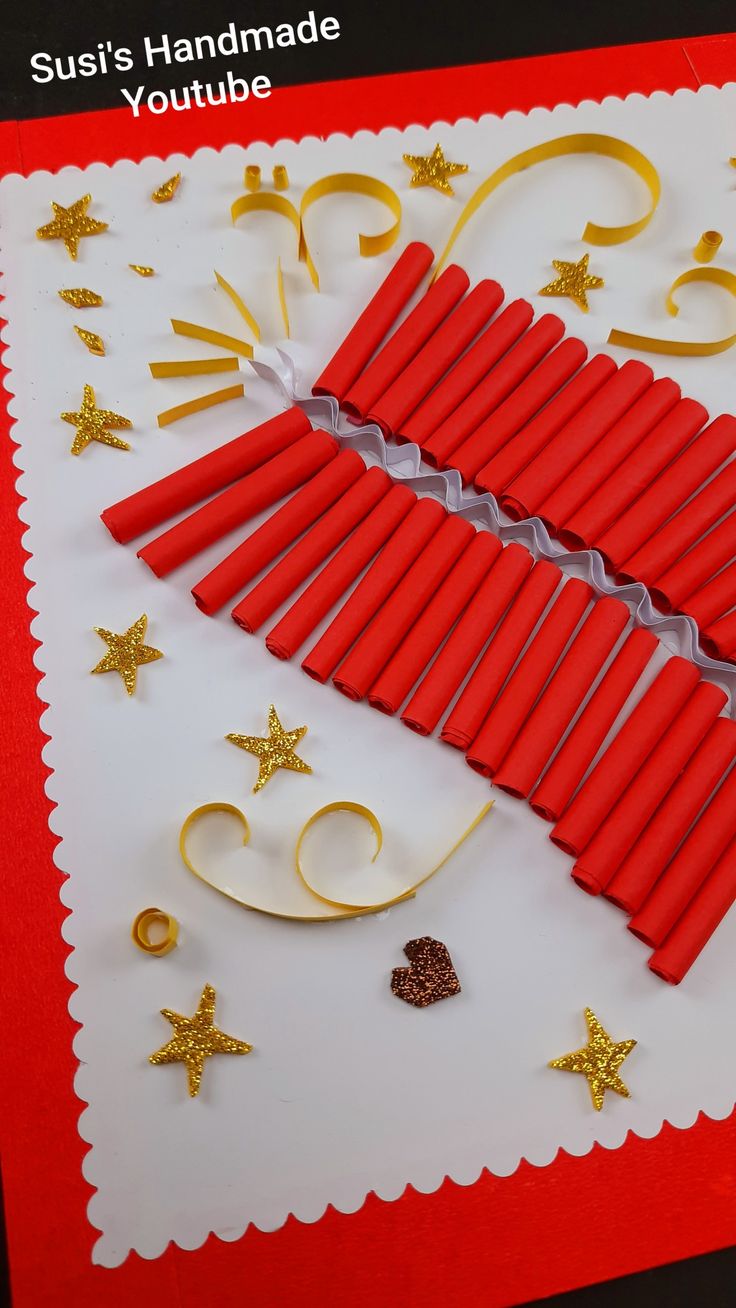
[[443, 616]]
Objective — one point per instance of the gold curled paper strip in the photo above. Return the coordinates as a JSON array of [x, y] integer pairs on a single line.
[[707, 247], [193, 367], [282, 299], [79, 297], [94, 343], [342, 909], [202, 402], [354, 184], [656, 345], [280, 177], [252, 177], [167, 190], [197, 333], [142, 269], [140, 931], [578, 143], [240, 305], [268, 202]]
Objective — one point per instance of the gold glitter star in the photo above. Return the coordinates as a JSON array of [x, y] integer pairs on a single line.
[[196, 1038], [277, 751], [574, 281], [92, 423], [167, 190], [126, 652], [598, 1061], [70, 225], [433, 170]]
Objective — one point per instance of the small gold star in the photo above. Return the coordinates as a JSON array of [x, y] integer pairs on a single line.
[[92, 423], [126, 652], [277, 751], [598, 1061], [433, 170], [196, 1038], [70, 225], [574, 281]]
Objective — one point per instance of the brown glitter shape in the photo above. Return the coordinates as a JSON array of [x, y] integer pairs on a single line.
[[430, 975]]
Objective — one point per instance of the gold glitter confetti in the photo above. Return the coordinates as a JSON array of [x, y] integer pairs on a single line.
[[143, 269], [140, 932], [574, 281], [598, 1061], [167, 190], [94, 343], [70, 225], [80, 298], [276, 751], [430, 975], [195, 1039], [92, 423], [126, 652], [433, 170]]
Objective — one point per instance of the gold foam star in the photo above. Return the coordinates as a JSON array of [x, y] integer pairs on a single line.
[[276, 751], [598, 1061], [574, 281], [433, 170], [196, 1038], [126, 652], [70, 225], [92, 423]]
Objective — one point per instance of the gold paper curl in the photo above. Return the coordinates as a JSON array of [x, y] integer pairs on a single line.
[[338, 909], [141, 931], [577, 143], [657, 345]]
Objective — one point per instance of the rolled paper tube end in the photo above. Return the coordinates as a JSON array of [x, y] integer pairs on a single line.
[[414, 725], [664, 972], [660, 600], [514, 508], [566, 846], [315, 673], [383, 705], [619, 900], [158, 569], [516, 792], [572, 540], [586, 880], [346, 688], [458, 739], [278, 649], [430, 457], [352, 413], [641, 933], [243, 621], [380, 422], [479, 766], [544, 811], [204, 605], [108, 518]]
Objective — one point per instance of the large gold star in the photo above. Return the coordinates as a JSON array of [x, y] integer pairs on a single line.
[[70, 225], [433, 170], [197, 1038], [92, 423], [276, 751], [574, 281], [126, 653], [598, 1061]]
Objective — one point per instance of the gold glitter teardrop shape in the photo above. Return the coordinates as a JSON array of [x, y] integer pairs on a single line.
[[142, 269], [167, 190], [94, 343], [79, 297]]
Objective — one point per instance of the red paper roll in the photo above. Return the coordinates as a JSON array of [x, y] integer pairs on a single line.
[[153, 505], [501, 470], [455, 660], [720, 639], [669, 492], [240, 502], [696, 926], [638, 471], [543, 730], [431, 627], [432, 362], [700, 851], [375, 321], [668, 544], [712, 601], [312, 550], [493, 389], [528, 396], [641, 731], [702, 562], [569, 766], [624, 436], [626, 821], [338, 575], [281, 529], [580, 435], [407, 341], [506, 644], [461, 380], [517, 699], [420, 525], [673, 819], [382, 637]]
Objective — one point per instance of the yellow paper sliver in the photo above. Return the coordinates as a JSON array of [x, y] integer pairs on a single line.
[[202, 402]]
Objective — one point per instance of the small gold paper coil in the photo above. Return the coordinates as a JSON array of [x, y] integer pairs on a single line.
[[141, 931], [707, 247], [252, 177], [280, 177]]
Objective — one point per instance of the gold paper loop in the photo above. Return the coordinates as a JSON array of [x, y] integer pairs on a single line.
[[141, 927], [268, 202], [355, 184], [656, 345], [707, 247], [342, 909], [280, 177], [252, 177], [577, 143]]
